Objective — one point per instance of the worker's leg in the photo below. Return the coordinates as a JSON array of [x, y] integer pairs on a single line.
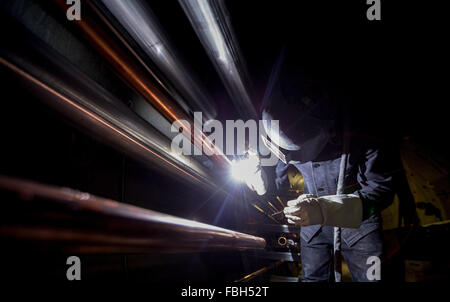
[[317, 257], [357, 256]]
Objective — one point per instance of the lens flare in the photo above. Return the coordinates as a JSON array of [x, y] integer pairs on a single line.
[[245, 168]]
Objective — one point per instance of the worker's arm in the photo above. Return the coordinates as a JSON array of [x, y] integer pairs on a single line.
[[333, 210], [375, 177]]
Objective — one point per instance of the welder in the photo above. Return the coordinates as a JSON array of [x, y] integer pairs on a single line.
[[318, 138]]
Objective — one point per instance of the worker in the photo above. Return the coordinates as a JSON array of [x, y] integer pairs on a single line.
[[312, 137]]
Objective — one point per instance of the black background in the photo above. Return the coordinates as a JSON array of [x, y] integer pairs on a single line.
[[392, 72]]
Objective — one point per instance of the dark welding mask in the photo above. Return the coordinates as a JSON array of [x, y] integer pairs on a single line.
[[300, 138], [304, 111]]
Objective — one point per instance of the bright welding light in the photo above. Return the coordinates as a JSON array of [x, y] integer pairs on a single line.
[[248, 170], [245, 169], [237, 167]]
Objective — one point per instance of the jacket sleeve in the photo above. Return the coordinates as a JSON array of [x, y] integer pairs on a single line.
[[376, 174]]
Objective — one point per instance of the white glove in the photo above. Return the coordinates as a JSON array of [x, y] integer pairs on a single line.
[[332, 210], [249, 171]]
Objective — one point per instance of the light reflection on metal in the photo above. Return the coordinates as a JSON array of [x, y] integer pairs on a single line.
[[260, 271], [91, 107], [138, 20], [210, 22], [264, 212], [130, 72], [283, 241], [133, 74], [273, 207], [277, 213], [281, 202], [118, 226]]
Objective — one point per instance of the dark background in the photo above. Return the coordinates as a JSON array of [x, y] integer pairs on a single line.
[[392, 73]]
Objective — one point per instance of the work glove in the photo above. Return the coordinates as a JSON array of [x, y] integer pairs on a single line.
[[249, 171], [331, 210]]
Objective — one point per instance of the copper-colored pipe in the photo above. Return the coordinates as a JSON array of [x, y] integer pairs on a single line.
[[96, 122], [118, 226], [134, 76]]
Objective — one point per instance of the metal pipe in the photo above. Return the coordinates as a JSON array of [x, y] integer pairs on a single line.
[[138, 20], [283, 241], [210, 22], [99, 224], [337, 240], [260, 271], [138, 79], [71, 93]]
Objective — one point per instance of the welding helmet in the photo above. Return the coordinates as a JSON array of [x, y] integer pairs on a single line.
[[302, 108]]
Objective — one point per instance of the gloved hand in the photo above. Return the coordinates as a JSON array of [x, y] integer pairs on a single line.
[[249, 171], [332, 210]]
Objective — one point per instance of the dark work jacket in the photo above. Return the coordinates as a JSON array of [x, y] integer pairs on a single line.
[[369, 173]]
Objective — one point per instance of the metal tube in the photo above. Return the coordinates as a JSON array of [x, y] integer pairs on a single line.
[[210, 22], [138, 20], [340, 190], [138, 79], [98, 113], [283, 241], [337, 230], [260, 271], [99, 224], [71, 93]]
